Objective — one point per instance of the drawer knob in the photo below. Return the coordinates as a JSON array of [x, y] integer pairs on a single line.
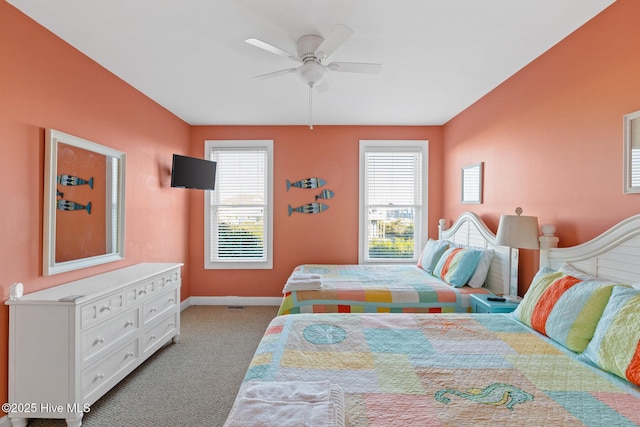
[[99, 376], [171, 300], [105, 308], [128, 323], [171, 325], [152, 310], [152, 337], [98, 340], [142, 292], [129, 354]]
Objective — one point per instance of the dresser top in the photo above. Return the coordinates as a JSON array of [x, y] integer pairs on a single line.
[[95, 286]]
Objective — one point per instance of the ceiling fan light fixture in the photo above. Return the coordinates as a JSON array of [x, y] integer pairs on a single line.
[[312, 73]]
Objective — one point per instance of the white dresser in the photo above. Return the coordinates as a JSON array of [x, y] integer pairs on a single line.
[[70, 344]]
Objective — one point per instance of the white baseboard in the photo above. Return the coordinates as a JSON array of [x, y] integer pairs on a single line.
[[5, 421], [268, 301]]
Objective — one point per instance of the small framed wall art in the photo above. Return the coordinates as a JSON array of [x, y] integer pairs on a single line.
[[471, 191]]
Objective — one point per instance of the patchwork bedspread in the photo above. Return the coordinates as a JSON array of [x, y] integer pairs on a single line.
[[395, 288], [443, 370]]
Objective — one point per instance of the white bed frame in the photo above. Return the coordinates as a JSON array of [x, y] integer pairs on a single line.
[[470, 230], [613, 255]]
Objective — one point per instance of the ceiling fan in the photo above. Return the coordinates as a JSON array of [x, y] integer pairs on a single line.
[[311, 50]]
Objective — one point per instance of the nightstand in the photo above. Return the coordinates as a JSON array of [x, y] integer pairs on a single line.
[[480, 304]]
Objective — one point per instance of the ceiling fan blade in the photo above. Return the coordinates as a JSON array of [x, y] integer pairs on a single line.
[[271, 48], [355, 67], [276, 73], [323, 86], [334, 40]]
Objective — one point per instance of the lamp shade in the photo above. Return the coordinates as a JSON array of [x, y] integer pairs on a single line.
[[516, 231]]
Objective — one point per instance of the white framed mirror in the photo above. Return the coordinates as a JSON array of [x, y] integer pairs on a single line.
[[83, 221], [632, 153], [471, 192]]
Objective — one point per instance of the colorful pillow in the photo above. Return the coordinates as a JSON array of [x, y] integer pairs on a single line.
[[480, 275], [457, 265], [431, 253], [564, 308], [615, 346]]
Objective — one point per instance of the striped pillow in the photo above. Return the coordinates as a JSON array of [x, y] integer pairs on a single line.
[[564, 308], [457, 265], [615, 346]]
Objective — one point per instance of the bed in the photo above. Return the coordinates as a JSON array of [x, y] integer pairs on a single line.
[[568, 356], [409, 288]]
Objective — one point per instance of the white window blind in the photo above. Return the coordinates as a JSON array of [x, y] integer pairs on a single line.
[[393, 202], [239, 209]]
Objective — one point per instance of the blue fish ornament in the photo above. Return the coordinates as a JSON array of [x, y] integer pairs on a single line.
[[73, 180], [325, 194], [68, 205], [309, 208], [306, 183]]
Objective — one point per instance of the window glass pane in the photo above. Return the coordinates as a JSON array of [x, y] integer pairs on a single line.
[[240, 233], [391, 232], [239, 212], [393, 195]]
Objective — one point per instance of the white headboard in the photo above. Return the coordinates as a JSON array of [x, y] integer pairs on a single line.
[[470, 230], [613, 255]]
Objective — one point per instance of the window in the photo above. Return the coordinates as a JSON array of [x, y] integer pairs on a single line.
[[239, 212], [393, 200]]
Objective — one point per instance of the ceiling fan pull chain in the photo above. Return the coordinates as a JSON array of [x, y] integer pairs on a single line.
[[310, 104]]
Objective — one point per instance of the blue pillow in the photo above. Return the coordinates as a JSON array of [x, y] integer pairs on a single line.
[[431, 254]]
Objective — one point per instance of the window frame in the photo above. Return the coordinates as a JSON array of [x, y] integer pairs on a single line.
[[420, 225], [220, 145]]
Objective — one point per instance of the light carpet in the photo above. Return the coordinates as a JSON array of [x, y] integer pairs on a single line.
[[192, 383]]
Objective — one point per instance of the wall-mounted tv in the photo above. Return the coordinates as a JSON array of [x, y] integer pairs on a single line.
[[190, 172]]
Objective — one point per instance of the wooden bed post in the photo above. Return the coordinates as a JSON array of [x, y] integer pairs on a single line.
[[548, 240]]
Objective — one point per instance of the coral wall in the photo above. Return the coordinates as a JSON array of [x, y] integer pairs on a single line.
[[328, 152], [44, 83], [551, 136]]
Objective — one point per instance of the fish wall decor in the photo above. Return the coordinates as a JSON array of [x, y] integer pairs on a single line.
[[309, 208], [325, 194], [68, 205], [306, 183], [71, 180]]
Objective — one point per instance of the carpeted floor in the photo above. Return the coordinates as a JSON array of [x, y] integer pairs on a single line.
[[192, 383]]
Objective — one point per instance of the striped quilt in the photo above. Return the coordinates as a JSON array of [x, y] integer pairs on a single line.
[[394, 288], [443, 370]]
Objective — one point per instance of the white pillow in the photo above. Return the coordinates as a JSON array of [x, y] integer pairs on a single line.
[[570, 270], [480, 275]]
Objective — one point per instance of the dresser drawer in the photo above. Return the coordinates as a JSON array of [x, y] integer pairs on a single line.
[[104, 336], [159, 304], [101, 374], [159, 333], [101, 309], [170, 278], [139, 292]]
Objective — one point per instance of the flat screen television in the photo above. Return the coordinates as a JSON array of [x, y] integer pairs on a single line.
[[190, 172]]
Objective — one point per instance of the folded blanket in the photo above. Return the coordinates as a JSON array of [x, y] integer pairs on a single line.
[[284, 404], [303, 276], [302, 286], [303, 282]]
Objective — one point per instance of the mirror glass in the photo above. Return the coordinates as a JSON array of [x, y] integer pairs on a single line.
[[83, 203], [472, 184], [632, 153]]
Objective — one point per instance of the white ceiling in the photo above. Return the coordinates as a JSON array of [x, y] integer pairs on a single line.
[[438, 56]]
